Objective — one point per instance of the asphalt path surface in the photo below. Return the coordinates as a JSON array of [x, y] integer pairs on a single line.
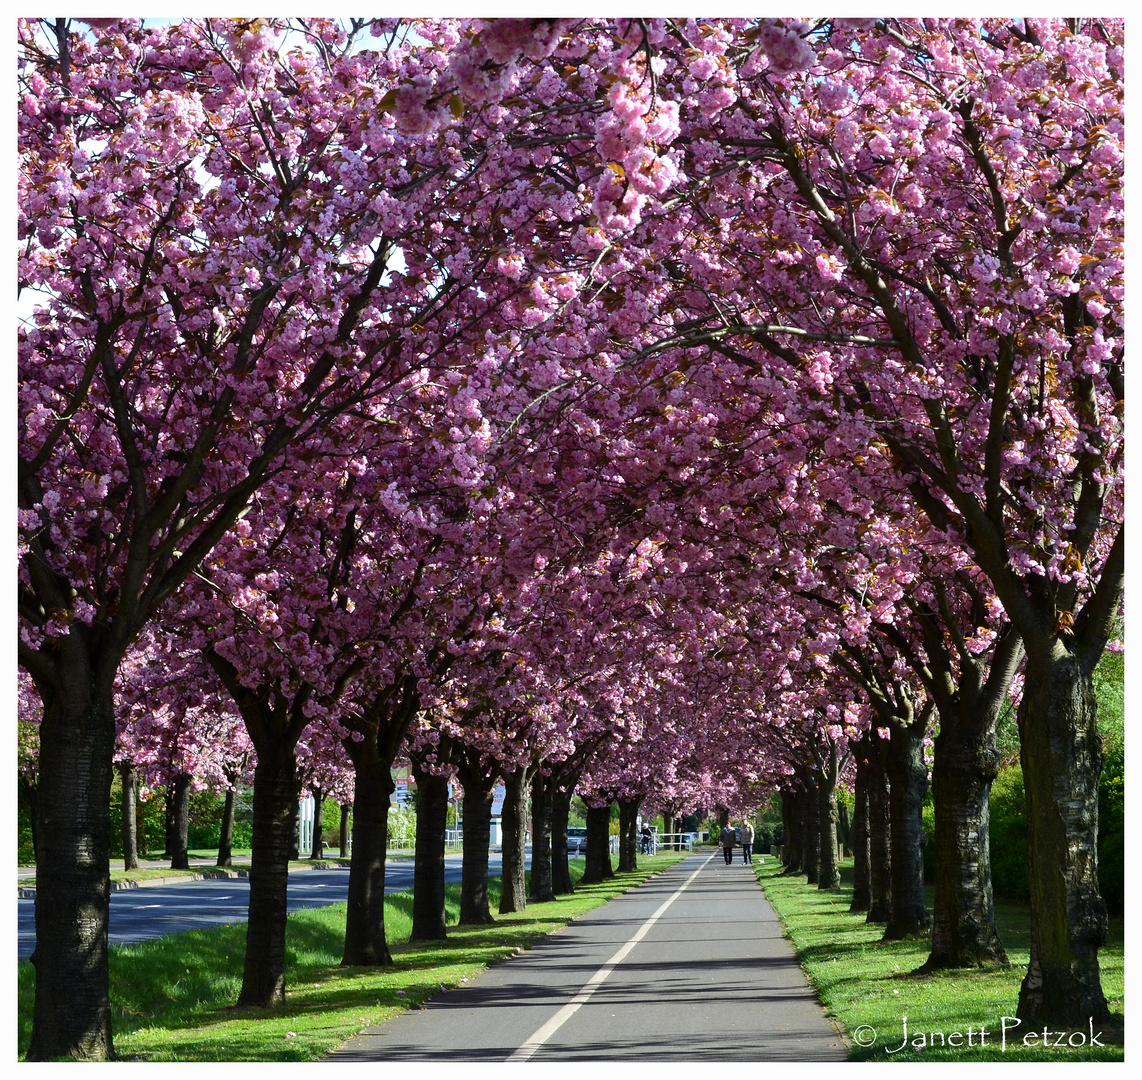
[[152, 911], [691, 966]]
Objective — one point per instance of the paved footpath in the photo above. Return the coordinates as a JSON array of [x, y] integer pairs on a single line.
[[689, 966]]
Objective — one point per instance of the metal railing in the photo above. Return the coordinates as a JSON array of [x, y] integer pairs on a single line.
[[680, 841]]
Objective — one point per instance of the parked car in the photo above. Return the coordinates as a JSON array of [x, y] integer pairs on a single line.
[[576, 840]]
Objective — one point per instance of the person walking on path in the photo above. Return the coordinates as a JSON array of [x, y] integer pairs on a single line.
[[745, 835], [729, 840]]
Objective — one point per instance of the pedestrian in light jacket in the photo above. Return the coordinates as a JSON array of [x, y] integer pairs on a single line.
[[745, 835]]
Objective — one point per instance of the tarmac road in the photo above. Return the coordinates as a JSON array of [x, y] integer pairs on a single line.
[[691, 966], [151, 912]]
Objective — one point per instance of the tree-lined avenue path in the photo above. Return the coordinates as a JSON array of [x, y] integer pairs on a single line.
[[692, 965]]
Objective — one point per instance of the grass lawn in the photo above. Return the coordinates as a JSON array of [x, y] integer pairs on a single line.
[[172, 998], [870, 987]]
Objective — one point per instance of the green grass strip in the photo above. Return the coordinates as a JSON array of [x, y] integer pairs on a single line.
[[870, 987], [172, 998]]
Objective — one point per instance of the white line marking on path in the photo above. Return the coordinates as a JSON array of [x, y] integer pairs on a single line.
[[525, 1052]]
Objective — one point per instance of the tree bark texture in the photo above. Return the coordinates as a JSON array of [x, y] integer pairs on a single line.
[[178, 821], [226, 828], [513, 880], [862, 886], [879, 837], [428, 916], [317, 851], [365, 943], [791, 831], [628, 834], [541, 879], [77, 740], [965, 764], [597, 864], [828, 870], [908, 784], [275, 821], [129, 777], [1061, 754], [560, 814], [810, 833], [343, 837], [478, 785]]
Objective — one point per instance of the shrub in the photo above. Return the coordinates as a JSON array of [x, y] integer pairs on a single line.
[[1009, 835]]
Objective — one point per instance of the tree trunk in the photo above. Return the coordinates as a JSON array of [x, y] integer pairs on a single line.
[[879, 838], [73, 822], [226, 830], [428, 916], [597, 864], [343, 838], [908, 783], [862, 886], [275, 821], [513, 880], [1061, 753], [844, 829], [965, 764], [178, 821], [317, 851], [365, 943], [560, 870], [129, 775], [811, 834], [628, 835], [541, 880], [828, 871], [791, 831], [295, 839], [478, 787]]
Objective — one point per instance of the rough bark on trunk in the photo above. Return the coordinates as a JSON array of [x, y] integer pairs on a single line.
[[343, 837], [908, 783], [129, 776], [365, 942], [862, 886], [541, 879], [178, 821], [317, 850], [879, 838], [597, 864], [513, 880], [428, 917], [474, 910], [560, 870], [828, 871], [1061, 754], [77, 740], [791, 831], [811, 834], [628, 835], [226, 829], [275, 821], [966, 762]]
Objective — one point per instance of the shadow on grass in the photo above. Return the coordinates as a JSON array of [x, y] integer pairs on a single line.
[[165, 989], [870, 985]]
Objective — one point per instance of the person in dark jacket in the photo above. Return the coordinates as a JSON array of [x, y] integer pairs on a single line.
[[729, 840]]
